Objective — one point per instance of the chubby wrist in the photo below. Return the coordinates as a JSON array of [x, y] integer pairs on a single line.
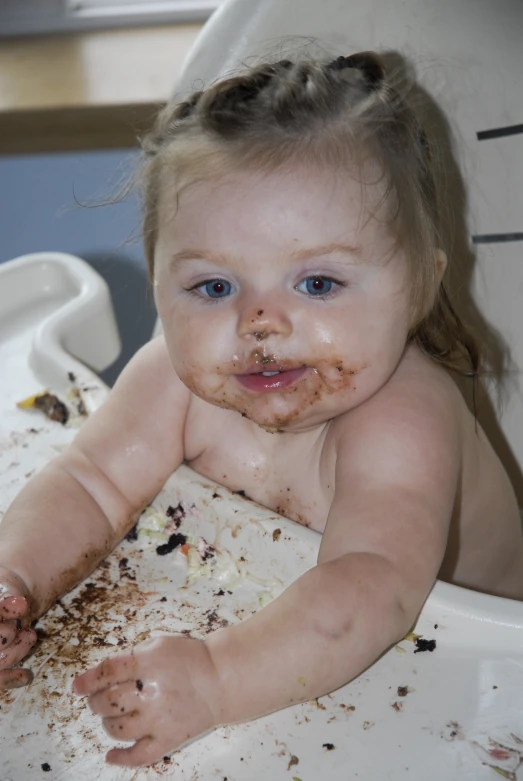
[[220, 655]]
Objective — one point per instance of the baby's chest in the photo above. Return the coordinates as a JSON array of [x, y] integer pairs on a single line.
[[290, 485]]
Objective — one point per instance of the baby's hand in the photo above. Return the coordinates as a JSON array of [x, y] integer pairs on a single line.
[[16, 636], [158, 695]]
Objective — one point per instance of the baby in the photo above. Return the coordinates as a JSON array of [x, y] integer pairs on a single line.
[[298, 252]]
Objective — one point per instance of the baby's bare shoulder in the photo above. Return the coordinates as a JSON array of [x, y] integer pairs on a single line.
[[418, 412]]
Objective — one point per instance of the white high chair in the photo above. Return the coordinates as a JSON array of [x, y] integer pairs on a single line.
[[463, 719]]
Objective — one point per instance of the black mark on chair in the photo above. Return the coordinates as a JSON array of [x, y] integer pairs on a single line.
[[496, 238], [499, 132]]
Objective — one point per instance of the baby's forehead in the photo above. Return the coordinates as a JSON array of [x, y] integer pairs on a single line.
[[354, 199]]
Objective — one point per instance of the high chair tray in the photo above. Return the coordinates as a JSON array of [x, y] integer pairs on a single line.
[[453, 713]]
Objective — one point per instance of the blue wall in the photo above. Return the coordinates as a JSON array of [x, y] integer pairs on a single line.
[[39, 211]]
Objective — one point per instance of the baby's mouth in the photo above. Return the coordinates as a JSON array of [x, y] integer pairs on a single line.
[[277, 379]]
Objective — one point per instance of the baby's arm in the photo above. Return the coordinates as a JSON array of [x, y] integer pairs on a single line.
[[396, 479], [73, 513], [396, 476]]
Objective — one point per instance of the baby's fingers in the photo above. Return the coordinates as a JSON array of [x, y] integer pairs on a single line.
[[144, 752], [15, 652], [116, 700], [8, 632], [113, 670], [12, 605], [14, 678]]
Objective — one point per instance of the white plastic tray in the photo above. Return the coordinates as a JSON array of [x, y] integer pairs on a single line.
[[462, 717]]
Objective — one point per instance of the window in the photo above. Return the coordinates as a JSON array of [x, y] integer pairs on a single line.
[[29, 17]]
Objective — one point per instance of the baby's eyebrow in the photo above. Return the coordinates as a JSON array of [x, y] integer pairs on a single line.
[[356, 250], [327, 249], [197, 254]]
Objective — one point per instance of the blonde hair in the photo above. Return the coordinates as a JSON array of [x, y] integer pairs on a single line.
[[347, 110]]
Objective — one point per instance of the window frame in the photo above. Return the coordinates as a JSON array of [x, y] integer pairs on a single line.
[[45, 17]]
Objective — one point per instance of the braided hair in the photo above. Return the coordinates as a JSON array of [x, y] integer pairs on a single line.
[[326, 112]]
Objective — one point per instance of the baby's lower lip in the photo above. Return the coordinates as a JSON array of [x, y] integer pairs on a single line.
[[263, 384]]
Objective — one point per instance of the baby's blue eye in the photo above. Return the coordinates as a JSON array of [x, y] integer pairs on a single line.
[[215, 288], [316, 286]]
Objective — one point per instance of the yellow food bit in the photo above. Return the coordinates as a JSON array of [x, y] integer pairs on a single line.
[[412, 637], [302, 680], [504, 773], [29, 403], [400, 650]]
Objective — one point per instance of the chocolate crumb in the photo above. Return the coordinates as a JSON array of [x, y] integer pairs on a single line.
[[220, 593], [397, 706], [71, 376], [174, 541], [139, 685], [435, 626], [46, 767], [52, 407], [329, 746], [176, 514], [292, 761], [276, 535], [132, 534], [163, 599], [424, 645], [123, 563], [241, 492], [403, 691]]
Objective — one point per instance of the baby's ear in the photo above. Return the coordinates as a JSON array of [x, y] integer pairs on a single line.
[[441, 265]]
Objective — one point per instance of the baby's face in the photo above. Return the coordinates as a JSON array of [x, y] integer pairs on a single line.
[[280, 295]]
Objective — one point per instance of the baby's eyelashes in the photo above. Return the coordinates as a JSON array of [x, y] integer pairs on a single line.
[[213, 288], [318, 286]]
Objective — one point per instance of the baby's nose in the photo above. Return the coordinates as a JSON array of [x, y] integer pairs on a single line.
[[264, 320]]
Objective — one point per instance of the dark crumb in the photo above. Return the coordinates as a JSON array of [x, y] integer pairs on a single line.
[[276, 535], [176, 514], [174, 541], [46, 767], [424, 645], [292, 761], [216, 496], [52, 407], [220, 593], [163, 599], [18, 624], [34, 430], [100, 641], [403, 691], [167, 760], [435, 626], [139, 685], [241, 492], [71, 377], [123, 562], [329, 746], [397, 706], [81, 408], [132, 534]]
